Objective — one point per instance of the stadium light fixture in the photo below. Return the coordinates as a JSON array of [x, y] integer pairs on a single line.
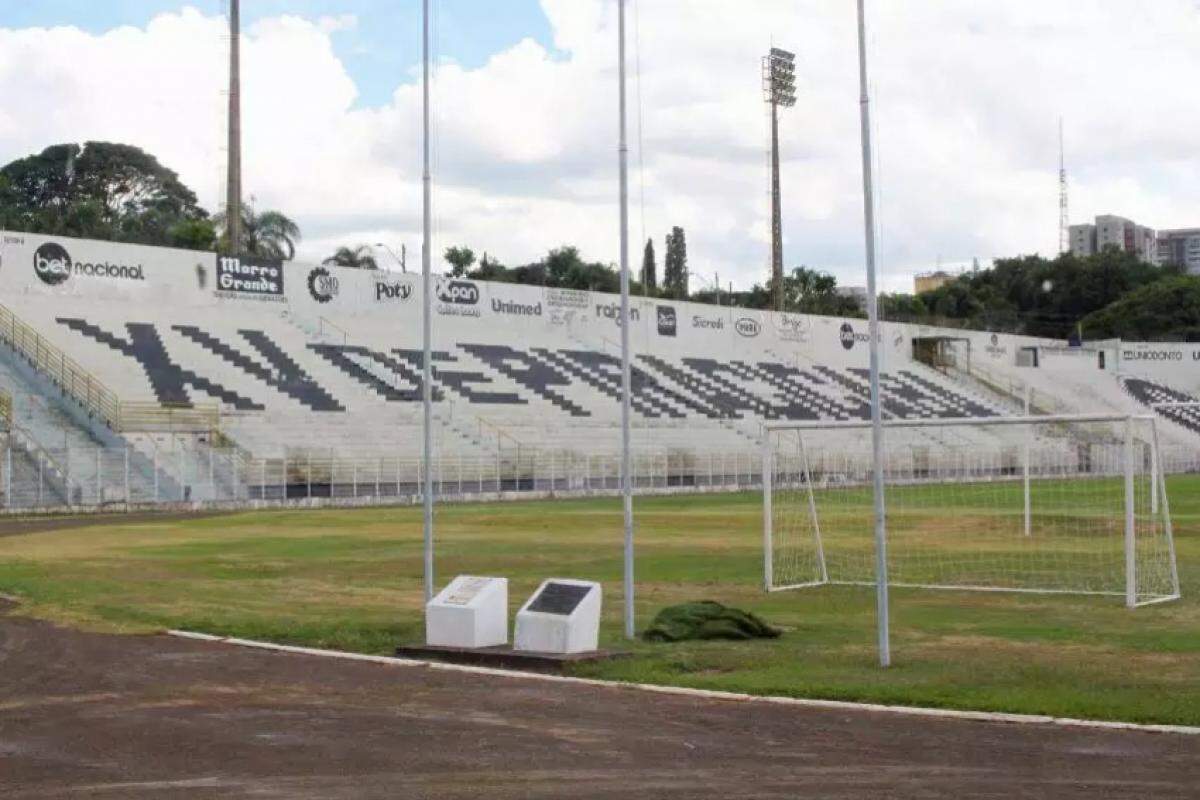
[[401, 259], [779, 89]]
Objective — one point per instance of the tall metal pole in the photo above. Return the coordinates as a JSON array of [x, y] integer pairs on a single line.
[[626, 382], [881, 564], [427, 324], [776, 212], [233, 182]]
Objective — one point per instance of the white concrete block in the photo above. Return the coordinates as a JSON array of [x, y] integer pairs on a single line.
[[562, 616], [470, 612]]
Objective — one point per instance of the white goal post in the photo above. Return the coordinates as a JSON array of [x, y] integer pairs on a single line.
[[1068, 504]]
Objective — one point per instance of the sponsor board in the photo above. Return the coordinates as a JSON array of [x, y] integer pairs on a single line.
[[613, 311], [53, 266], [575, 299], [848, 337], [667, 321], [1157, 355], [994, 348], [515, 309], [322, 286], [240, 279], [792, 328], [457, 298], [389, 291], [701, 322], [749, 328]]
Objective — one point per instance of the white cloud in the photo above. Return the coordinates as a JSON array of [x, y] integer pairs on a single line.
[[967, 95]]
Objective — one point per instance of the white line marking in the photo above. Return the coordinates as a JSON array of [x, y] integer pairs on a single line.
[[707, 694]]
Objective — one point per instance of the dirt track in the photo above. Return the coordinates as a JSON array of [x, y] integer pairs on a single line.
[[22, 526], [86, 715]]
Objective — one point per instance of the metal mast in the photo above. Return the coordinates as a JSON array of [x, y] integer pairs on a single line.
[[427, 321], [233, 182], [626, 380], [881, 564], [1064, 217], [779, 86]]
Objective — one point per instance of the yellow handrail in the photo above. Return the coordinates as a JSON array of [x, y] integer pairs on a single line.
[[97, 399], [6, 411]]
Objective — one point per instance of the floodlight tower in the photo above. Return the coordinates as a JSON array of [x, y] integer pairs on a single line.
[[233, 183], [1064, 217], [779, 86]]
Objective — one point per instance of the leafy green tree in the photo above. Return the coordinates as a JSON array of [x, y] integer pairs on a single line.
[[361, 257], [490, 270], [101, 190], [649, 268], [675, 274], [1165, 309], [267, 234], [460, 260], [193, 234]]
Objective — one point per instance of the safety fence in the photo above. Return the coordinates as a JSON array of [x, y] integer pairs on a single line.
[[32, 478], [122, 477], [97, 400]]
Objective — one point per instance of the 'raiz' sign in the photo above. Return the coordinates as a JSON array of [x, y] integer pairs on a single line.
[[263, 280]]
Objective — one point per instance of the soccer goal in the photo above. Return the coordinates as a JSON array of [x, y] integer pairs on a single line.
[[1058, 504]]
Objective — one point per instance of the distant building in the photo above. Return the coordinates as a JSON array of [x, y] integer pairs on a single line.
[[929, 281], [1180, 247], [1113, 231]]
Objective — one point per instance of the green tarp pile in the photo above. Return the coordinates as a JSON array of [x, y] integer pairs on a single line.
[[706, 620]]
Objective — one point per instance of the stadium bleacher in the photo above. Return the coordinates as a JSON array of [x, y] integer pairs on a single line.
[[332, 371]]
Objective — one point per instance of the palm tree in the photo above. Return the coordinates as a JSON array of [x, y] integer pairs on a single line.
[[266, 234], [360, 257]]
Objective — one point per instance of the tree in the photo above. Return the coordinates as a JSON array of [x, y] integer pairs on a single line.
[[649, 268], [460, 259], [266, 235], [361, 257], [490, 270], [675, 275], [1165, 309], [101, 190]]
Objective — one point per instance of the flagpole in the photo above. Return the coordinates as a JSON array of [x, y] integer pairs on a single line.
[[626, 383], [881, 564], [427, 325]]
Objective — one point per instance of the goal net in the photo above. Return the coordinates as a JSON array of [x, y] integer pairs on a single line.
[[1067, 504]]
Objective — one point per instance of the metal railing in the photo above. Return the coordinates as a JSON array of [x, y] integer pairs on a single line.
[[6, 411], [96, 399]]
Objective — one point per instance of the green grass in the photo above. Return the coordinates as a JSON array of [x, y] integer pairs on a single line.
[[352, 580]]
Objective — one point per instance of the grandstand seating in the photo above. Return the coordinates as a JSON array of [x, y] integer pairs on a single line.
[[518, 371], [1152, 395]]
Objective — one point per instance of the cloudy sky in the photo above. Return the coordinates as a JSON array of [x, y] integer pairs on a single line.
[[967, 99]]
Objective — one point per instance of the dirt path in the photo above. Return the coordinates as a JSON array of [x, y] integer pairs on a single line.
[[97, 716], [20, 526]]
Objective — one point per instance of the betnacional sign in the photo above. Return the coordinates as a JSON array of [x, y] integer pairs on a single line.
[[54, 266]]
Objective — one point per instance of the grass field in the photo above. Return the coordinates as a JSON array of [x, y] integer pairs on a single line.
[[352, 580]]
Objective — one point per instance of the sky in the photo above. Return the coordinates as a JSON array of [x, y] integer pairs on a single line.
[[966, 95]]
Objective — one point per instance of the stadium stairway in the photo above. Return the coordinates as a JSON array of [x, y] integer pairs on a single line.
[[65, 457]]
